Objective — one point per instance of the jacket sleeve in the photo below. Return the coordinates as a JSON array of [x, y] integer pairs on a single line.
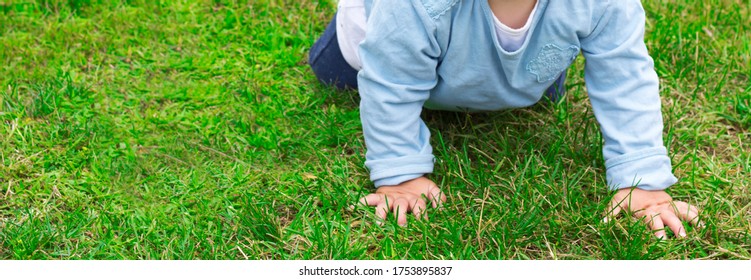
[[399, 57], [623, 88]]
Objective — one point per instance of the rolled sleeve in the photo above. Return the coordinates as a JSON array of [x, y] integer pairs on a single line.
[[648, 169], [624, 91], [399, 59], [395, 180]]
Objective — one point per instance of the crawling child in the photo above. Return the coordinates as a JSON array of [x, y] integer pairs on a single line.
[[486, 55]]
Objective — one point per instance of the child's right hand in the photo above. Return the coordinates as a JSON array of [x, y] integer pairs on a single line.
[[410, 196]]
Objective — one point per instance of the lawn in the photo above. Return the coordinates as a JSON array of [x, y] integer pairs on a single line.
[[141, 129]]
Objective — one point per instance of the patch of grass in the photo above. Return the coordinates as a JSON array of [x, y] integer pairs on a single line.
[[195, 130]]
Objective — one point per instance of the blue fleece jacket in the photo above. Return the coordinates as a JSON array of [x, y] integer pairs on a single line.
[[444, 54]]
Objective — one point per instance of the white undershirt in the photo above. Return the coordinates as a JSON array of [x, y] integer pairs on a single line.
[[512, 39], [350, 31]]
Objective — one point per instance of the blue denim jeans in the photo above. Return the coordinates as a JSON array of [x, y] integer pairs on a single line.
[[328, 63], [330, 68]]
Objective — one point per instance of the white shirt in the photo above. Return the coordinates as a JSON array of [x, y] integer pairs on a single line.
[[350, 31], [509, 38]]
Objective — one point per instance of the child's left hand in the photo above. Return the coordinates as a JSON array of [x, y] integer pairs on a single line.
[[657, 208]]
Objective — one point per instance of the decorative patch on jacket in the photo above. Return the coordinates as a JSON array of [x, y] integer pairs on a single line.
[[551, 61]]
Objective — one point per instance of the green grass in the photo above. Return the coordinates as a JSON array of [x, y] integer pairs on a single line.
[[195, 130]]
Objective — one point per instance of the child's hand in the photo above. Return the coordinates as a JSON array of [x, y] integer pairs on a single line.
[[657, 208], [410, 196]]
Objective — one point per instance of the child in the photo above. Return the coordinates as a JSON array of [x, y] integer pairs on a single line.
[[484, 55]]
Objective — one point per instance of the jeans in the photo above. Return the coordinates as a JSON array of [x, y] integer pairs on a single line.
[[328, 63], [330, 68]]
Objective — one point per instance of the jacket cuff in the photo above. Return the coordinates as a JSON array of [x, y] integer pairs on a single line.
[[397, 170], [395, 180], [647, 169]]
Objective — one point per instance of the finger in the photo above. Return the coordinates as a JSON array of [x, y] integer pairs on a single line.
[[418, 209], [693, 209], [687, 212], [613, 210], [436, 197], [655, 223], [382, 209], [671, 220], [400, 211], [372, 199]]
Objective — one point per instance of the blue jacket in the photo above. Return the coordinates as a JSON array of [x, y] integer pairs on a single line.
[[443, 54]]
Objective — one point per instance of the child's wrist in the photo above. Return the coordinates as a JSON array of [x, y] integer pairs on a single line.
[[396, 180]]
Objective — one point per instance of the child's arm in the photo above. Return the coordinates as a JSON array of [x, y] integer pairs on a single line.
[[399, 57], [624, 91]]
